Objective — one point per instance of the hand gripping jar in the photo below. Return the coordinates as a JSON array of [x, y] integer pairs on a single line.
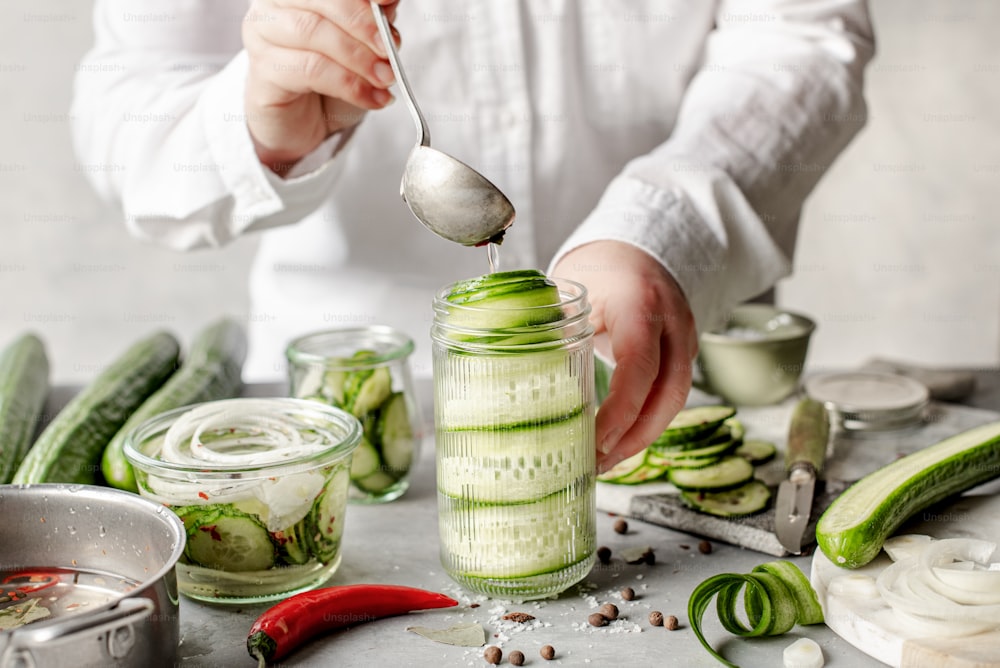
[[514, 413]]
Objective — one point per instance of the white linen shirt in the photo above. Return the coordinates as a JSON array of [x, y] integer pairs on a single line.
[[691, 129]]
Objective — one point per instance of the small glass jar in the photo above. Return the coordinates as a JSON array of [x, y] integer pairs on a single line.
[[365, 371], [261, 486], [514, 413]]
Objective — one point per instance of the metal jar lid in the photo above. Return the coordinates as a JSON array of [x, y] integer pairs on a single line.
[[869, 401]]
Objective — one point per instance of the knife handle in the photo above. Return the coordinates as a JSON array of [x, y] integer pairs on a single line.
[[808, 435]]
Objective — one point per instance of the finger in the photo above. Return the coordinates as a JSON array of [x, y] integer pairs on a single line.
[[667, 398], [637, 355], [306, 31], [295, 72], [355, 17]]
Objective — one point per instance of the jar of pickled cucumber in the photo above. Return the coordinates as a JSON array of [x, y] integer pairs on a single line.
[[514, 412]]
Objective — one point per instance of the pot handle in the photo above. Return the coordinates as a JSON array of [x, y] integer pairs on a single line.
[[116, 621]]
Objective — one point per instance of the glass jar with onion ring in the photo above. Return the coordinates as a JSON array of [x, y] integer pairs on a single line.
[[514, 412], [261, 486]]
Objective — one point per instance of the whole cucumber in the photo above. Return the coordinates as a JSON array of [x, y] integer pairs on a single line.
[[211, 370], [70, 447], [24, 385]]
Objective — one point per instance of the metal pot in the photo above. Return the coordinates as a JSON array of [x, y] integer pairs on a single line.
[[118, 549]]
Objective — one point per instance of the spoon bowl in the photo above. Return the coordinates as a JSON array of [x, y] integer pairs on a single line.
[[447, 196]]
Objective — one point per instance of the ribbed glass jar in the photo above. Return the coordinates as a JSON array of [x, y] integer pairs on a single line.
[[514, 428]]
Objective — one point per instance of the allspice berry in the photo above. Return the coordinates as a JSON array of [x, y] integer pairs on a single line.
[[621, 526], [656, 618], [548, 652], [705, 547], [597, 619], [671, 623], [604, 554], [493, 655], [628, 593], [516, 658], [609, 610]]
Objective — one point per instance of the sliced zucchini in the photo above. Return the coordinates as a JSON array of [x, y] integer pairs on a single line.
[[729, 473], [221, 537], [756, 452], [853, 529], [395, 434], [515, 465], [692, 424], [746, 499]]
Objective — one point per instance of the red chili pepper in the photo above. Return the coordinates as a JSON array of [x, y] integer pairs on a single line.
[[294, 621]]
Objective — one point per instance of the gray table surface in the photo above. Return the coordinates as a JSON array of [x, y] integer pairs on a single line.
[[397, 544]]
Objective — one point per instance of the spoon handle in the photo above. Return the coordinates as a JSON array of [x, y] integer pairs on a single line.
[[390, 46]]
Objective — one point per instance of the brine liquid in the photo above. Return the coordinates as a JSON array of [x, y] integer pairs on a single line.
[[36, 594], [493, 255]]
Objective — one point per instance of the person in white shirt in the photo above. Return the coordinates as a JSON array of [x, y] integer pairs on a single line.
[[657, 151]]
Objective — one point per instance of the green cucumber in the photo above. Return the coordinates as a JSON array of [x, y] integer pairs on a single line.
[[667, 455], [746, 499], [729, 473], [517, 541], [292, 545], [507, 391], [692, 424], [723, 434], [756, 452], [223, 538], [852, 530], [24, 386], [516, 465], [395, 434], [375, 483], [365, 460], [71, 446], [325, 521], [369, 394], [504, 301], [210, 371]]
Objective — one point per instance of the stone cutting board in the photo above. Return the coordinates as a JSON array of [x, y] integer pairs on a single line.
[[851, 455], [871, 626]]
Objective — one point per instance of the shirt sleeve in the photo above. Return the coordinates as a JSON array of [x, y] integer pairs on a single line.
[[777, 98], [158, 121]]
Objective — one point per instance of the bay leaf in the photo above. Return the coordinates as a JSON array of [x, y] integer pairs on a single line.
[[468, 634]]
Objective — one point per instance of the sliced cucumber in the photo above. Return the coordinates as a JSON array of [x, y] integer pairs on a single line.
[[516, 541], [645, 473], [746, 499], [684, 463], [722, 434], [852, 530], [365, 460], [292, 546], [376, 482], [369, 393], [625, 467], [729, 473], [756, 452], [665, 455], [221, 537], [325, 521], [515, 465], [504, 300], [692, 424], [501, 391], [395, 434]]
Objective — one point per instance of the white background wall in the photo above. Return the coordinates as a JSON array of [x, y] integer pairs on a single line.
[[899, 248]]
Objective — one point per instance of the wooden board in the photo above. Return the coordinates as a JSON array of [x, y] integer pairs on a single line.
[[871, 626], [851, 456]]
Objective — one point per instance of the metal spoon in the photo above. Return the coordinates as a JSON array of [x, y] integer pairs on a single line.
[[450, 198]]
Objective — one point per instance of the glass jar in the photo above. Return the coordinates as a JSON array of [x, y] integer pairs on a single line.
[[365, 371], [514, 413], [261, 486]]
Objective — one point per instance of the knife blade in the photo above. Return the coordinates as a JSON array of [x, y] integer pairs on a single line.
[[805, 453]]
